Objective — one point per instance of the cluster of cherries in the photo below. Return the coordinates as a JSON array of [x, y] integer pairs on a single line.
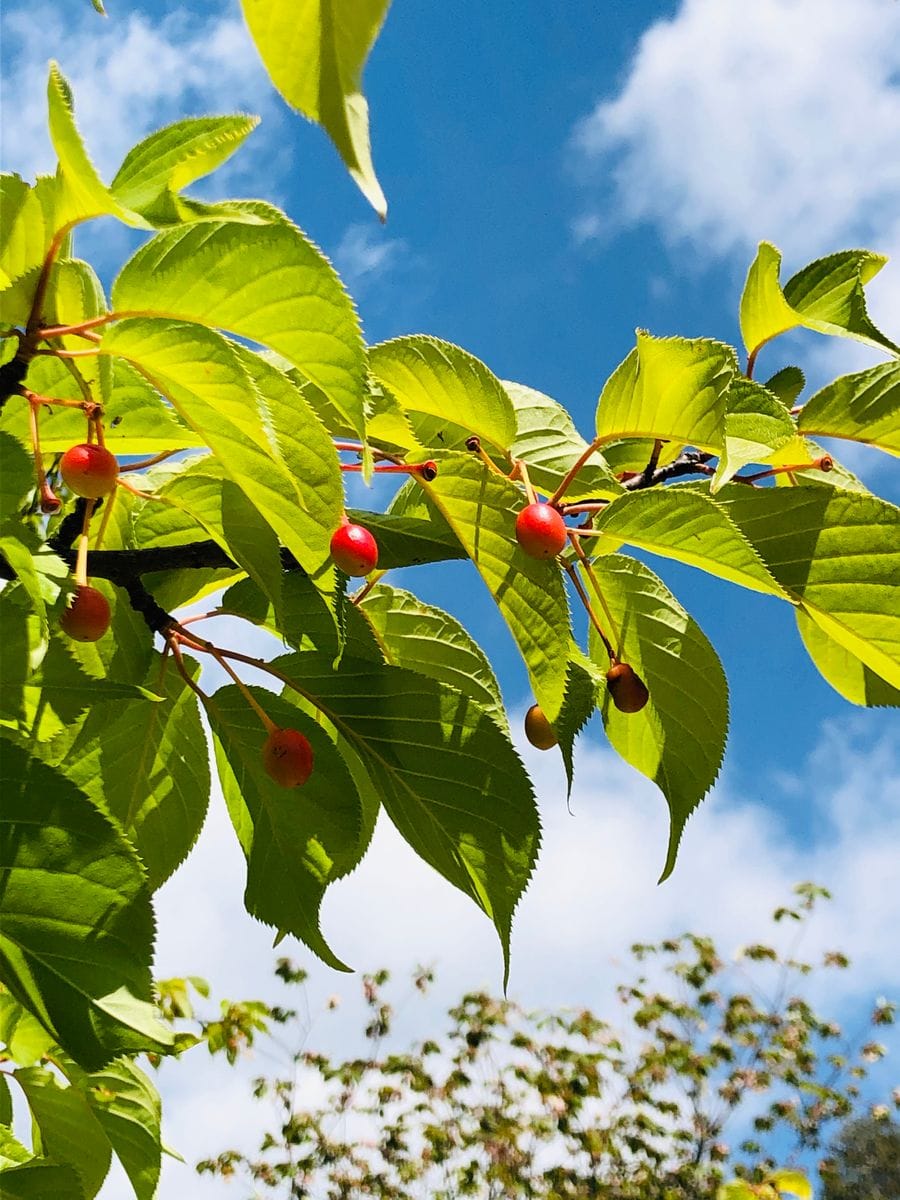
[[91, 471]]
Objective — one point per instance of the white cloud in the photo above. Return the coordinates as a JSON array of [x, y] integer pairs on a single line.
[[364, 255], [129, 75], [593, 895], [776, 120]]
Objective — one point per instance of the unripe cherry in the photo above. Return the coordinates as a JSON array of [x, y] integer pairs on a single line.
[[288, 757], [541, 531], [87, 617], [89, 470], [629, 692], [354, 550], [538, 729]]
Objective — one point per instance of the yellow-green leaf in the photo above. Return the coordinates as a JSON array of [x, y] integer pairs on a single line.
[[315, 52]]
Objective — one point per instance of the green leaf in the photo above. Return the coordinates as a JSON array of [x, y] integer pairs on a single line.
[[83, 194], [409, 541], [670, 388], [547, 440], [41, 703], [838, 554], [685, 524], [127, 1108], [228, 517], [266, 282], [6, 1114], [38, 1179], [756, 425], [159, 167], [453, 391], [16, 477], [25, 1039], [582, 683], [448, 776], [40, 574], [77, 928], [481, 508], [12, 1152], [69, 1132], [827, 296], [26, 224], [423, 638], [843, 670], [315, 57], [678, 738], [309, 455], [296, 840], [137, 420], [792, 1183], [74, 294], [147, 764], [786, 385], [864, 407], [202, 375], [307, 622]]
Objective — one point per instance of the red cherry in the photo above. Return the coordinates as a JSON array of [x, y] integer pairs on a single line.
[[288, 757], [629, 692], [354, 550], [89, 470], [538, 729], [541, 531], [87, 617]]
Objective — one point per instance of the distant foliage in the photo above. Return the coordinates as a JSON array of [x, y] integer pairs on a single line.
[[711, 1063]]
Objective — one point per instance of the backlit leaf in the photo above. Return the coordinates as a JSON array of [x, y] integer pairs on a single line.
[[296, 840], [437, 380], [670, 388], [827, 296], [77, 928], [838, 554], [315, 54], [447, 774], [678, 738], [682, 523], [864, 407], [266, 282]]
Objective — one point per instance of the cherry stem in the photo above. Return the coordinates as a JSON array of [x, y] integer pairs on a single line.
[[520, 471], [151, 462], [219, 655], [574, 537], [37, 398], [575, 468], [373, 579], [589, 506], [104, 520], [120, 482], [78, 330], [54, 353], [81, 577], [213, 612], [43, 486], [172, 644], [396, 468], [823, 463], [585, 600]]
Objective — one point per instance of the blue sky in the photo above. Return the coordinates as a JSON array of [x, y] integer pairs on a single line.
[[558, 175]]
